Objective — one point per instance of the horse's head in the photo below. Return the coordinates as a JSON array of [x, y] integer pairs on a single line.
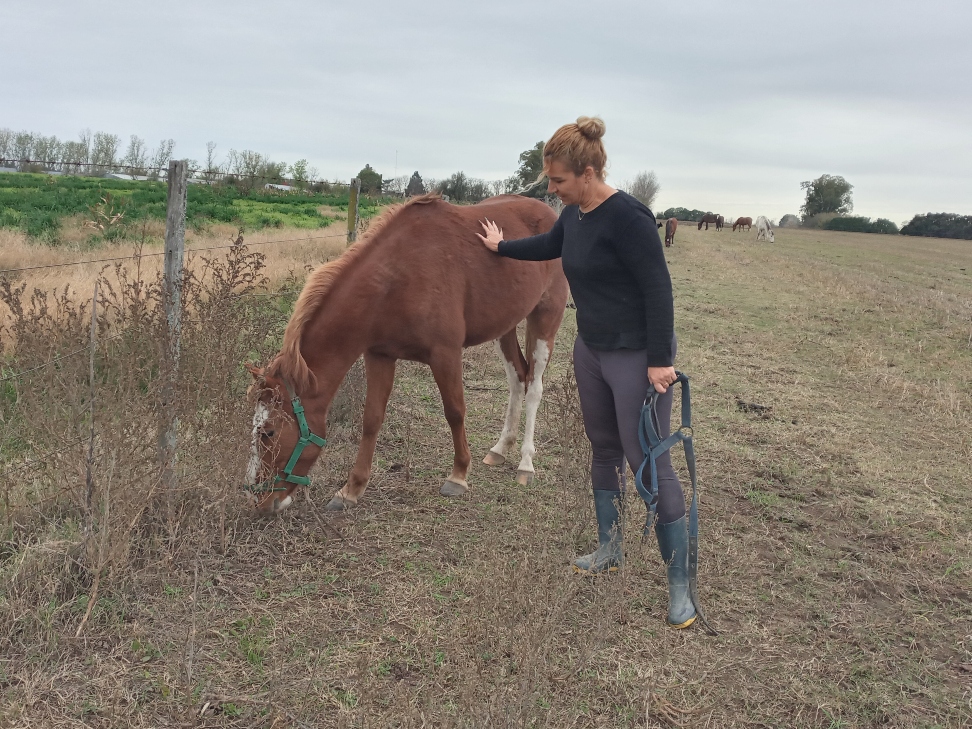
[[282, 447]]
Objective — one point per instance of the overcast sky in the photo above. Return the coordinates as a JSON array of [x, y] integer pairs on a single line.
[[732, 104]]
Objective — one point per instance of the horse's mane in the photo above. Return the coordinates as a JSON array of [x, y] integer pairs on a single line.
[[289, 363]]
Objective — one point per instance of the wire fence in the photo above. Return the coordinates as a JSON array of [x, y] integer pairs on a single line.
[[162, 253], [178, 226]]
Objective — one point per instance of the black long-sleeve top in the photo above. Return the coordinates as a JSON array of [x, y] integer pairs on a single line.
[[615, 265]]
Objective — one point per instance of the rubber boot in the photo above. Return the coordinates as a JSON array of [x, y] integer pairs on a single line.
[[609, 554], [674, 547]]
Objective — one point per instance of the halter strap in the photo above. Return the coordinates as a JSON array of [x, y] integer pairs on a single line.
[[306, 438], [653, 446]]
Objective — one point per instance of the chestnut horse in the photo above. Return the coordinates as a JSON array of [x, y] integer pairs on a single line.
[[741, 223], [418, 286], [709, 218]]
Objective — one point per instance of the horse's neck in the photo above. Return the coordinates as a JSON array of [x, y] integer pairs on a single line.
[[339, 334]]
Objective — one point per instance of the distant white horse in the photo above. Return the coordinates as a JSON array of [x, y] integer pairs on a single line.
[[764, 231]]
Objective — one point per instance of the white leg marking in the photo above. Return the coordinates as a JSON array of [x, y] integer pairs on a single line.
[[280, 506], [540, 357], [259, 418], [513, 408]]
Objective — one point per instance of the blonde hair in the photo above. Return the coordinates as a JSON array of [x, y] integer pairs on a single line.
[[579, 146]]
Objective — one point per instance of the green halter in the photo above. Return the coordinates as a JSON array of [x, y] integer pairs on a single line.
[[306, 438]]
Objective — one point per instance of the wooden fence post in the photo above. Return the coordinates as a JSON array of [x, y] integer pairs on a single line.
[[354, 195], [175, 242]]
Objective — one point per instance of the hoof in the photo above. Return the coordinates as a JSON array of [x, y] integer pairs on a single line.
[[451, 488], [339, 503], [494, 459], [524, 478]]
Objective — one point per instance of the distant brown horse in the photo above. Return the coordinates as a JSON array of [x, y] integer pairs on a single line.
[[741, 223], [418, 286], [709, 218], [670, 227]]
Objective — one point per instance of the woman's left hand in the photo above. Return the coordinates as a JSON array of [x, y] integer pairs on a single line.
[[493, 237], [661, 378]]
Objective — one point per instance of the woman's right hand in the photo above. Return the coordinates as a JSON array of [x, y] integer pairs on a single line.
[[493, 237]]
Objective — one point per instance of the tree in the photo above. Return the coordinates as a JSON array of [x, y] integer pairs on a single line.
[[789, 221], [827, 194], [212, 167], [456, 187], [298, 173], [160, 160], [940, 225], [396, 185], [104, 151], [529, 175], [136, 157], [370, 180], [644, 187], [415, 185], [6, 135]]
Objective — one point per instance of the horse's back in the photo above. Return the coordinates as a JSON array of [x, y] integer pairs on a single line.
[[452, 284]]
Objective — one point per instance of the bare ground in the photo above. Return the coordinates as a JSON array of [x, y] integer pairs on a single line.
[[835, 541]]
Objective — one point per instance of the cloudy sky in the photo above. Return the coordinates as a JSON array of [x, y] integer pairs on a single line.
[[732, 104]]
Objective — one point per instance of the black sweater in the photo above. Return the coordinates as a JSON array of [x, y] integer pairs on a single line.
[[615, 264]]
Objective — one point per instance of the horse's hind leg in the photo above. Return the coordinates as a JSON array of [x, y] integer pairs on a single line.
[[516, 373], [447, 371], [380, 372], [542, 325]]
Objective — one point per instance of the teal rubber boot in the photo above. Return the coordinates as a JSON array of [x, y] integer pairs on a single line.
[[674, 547], [609, 554]]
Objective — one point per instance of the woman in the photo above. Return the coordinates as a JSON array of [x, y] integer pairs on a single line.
[[616, 268]]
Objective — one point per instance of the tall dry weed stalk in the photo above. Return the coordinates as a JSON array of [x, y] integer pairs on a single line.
[[45, 418]]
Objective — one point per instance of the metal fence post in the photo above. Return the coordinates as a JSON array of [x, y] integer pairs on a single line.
[[175, 242], [354, 196]]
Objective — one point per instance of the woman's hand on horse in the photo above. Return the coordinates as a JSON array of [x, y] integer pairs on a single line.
[[493, 237], [661, 378]]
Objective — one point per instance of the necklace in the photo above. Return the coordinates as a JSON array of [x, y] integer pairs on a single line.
[[580, 214]]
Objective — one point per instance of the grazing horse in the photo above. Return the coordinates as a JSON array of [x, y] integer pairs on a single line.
[[670, 227], [709, 218], [720, 222], [741, 223], [417, 286], [764, 231]]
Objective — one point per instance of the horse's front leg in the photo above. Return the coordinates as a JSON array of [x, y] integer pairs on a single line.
[[447, 371], [380, 372]]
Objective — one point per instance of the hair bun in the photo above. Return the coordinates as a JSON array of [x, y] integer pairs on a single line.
[[591, 127]]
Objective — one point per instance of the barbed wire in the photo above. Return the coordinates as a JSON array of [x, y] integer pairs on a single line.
[[17, 375], [162, 253]]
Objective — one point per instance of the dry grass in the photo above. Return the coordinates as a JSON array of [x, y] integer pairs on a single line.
[[284, 261], [835, 535]]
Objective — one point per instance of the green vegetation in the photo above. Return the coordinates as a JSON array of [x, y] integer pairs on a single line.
[[38, 204], [827, 194], [684, 214], [857, 224], [940, 225]]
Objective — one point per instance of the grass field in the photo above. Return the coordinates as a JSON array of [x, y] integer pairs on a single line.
[[836, 556]]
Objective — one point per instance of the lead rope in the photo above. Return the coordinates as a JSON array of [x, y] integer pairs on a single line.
[[653, 446]]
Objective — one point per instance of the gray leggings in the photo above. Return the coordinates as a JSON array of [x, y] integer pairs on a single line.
[[612, 387]]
